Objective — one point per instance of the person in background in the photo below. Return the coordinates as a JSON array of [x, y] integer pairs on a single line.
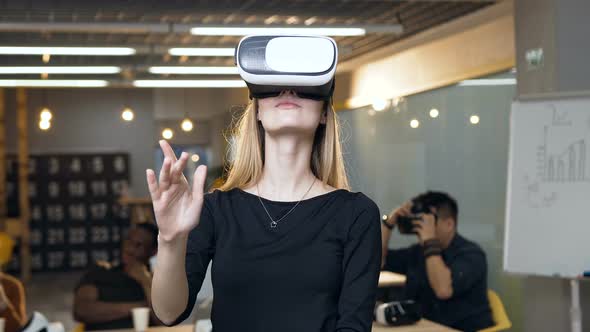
[[446, 273], [106, 294], [12, 303]]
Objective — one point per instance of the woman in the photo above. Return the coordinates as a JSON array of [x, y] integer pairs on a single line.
[[292, 248]]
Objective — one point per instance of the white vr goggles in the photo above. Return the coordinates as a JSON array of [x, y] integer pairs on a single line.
[[303, 64]]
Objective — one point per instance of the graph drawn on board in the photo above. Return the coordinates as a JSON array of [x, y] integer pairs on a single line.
[[559, 163]]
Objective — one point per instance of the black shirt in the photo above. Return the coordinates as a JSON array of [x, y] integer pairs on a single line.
[[113, 285], [317, 271], [468, 309]]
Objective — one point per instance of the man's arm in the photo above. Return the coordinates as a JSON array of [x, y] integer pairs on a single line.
[[439, 277], [88, 309], [12, 303], [140, 273], [439, 274], [386, 231]]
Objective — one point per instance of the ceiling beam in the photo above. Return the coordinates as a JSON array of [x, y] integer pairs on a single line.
[[163, 28]]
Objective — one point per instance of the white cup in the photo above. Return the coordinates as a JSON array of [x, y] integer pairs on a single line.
[[141, 319], [2, 323]]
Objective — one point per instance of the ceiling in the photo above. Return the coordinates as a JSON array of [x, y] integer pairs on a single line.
[[152, 27]]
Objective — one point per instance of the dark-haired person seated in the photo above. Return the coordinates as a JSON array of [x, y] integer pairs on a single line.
[[106, 294], [446, 273]]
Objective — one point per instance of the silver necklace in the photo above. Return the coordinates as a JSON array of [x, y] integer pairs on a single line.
[[274, 223]]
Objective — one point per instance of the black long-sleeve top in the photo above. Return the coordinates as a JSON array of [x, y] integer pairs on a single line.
[[316, 271]]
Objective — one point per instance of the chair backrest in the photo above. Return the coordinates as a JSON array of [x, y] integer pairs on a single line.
[[6, 248], [80, 327], [498, 313]]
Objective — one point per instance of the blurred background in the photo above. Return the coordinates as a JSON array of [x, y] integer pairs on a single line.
[[423, 90]]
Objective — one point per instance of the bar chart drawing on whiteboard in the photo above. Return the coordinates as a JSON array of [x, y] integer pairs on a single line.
[[563, 163]]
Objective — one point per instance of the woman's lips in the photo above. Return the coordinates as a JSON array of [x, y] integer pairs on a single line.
[[287, 104]]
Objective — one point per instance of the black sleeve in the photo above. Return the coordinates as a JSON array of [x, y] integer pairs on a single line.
[[361, 264], [91, 276], [200, 249], [467, 268], [398, 260]]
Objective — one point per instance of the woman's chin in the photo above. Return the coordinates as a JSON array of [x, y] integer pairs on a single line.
[[289, 129]]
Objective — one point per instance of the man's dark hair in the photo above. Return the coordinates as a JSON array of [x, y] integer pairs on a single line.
[[152, 229], [446, 206]]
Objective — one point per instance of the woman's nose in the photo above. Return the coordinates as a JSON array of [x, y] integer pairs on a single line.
[[288, 92]]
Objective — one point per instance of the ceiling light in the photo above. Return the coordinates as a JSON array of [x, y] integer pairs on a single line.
[[44, 125], [61, 70], [434, 113], [474, 119], [46, 58], [194, 70], [41, 50], [200, 51], [488, 82], [310, 20], [414, 123], [54, 83], [187, 124], [243, 31], [127, 114], [189, 83], [167, 133], [379, 105], [45, 114], [195, 157]]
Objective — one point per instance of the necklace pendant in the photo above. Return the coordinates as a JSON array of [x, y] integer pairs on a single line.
[[273, 224]]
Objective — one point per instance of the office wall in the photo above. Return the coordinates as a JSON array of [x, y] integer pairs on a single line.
[[391, 162]]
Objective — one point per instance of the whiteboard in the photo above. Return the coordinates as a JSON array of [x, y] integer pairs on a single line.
[[548, 200]]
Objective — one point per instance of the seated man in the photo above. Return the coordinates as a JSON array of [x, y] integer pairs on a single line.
[[106, 294], [446, 273]]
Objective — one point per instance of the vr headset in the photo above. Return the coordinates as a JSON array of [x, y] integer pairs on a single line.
[[398, 313], [303, 64]]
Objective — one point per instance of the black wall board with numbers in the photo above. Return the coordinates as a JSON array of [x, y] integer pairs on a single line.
[[75, 217]]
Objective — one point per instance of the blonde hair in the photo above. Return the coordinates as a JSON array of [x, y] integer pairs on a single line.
[[245, 170]]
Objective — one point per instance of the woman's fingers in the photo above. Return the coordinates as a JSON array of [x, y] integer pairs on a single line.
[[167, 150], [199, 181], [164, 182], [176, 171], [152, 184]]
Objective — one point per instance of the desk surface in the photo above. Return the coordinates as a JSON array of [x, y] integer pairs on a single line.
[[422, 326], [390, 279]]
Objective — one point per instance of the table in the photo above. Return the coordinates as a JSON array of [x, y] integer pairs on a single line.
[[423, 325], [177, 328], [391, 279]]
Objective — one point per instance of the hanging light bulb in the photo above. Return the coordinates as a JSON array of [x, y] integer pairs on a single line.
[[45, 114], [187, 124], [44, 124], [167, 133], [46, 57], [127, 114], [379, 105], [195, 157]]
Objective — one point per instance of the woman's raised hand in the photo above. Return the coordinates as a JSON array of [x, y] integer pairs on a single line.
[[177, 205]]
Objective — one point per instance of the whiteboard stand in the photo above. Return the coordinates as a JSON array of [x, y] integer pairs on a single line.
[[575, 310]]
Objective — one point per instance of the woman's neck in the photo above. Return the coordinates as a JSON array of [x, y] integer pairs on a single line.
[[287, 174]]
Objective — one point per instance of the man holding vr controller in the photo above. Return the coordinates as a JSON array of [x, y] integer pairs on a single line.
[[446, 273]]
